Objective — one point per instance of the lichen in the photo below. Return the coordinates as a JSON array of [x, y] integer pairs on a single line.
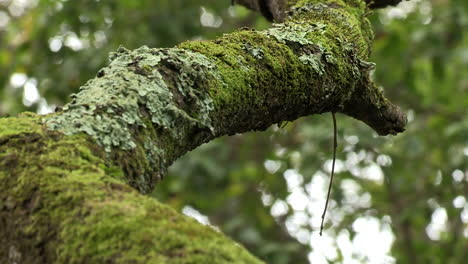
[[144, 109], [108, 107], [255, 52], [295, 32]]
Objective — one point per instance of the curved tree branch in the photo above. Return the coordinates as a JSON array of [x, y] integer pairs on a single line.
[[65, 174]]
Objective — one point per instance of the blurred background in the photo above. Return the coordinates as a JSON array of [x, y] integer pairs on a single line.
[[396, 199]]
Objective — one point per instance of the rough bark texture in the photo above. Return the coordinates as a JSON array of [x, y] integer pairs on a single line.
[[66, 176]]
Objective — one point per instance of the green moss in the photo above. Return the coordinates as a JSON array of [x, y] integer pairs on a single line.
[[69, 207], [349, 17], [9, 128], [317, 43], [125, 217]]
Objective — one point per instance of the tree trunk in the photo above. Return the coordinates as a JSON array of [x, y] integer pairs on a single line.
[[74, 181]]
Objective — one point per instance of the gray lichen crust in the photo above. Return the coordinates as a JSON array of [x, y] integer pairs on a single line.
[[108, 107], [144, 98]]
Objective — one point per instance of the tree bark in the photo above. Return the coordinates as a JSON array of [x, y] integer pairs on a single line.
[[74, 181]]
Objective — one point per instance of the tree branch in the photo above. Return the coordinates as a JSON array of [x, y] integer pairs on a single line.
[[275, 10], [382, 3], [64, 175]]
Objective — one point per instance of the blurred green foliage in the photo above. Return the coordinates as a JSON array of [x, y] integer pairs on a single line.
[[249, 185]]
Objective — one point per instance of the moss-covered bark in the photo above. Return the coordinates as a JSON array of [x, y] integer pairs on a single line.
[[62, 202], [67, 176]]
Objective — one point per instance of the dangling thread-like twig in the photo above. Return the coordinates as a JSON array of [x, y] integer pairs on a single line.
[[335, 145]]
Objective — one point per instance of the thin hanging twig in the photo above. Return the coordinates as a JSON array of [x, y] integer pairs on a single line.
[[335, 145]]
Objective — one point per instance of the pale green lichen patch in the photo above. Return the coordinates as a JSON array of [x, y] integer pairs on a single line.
[[306, 39], [144, 99], [294, 32], [108, 107], [314, 60], [257, 52], [367, 65]]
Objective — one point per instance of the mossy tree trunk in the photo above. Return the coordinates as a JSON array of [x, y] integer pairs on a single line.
[[73, 182]]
